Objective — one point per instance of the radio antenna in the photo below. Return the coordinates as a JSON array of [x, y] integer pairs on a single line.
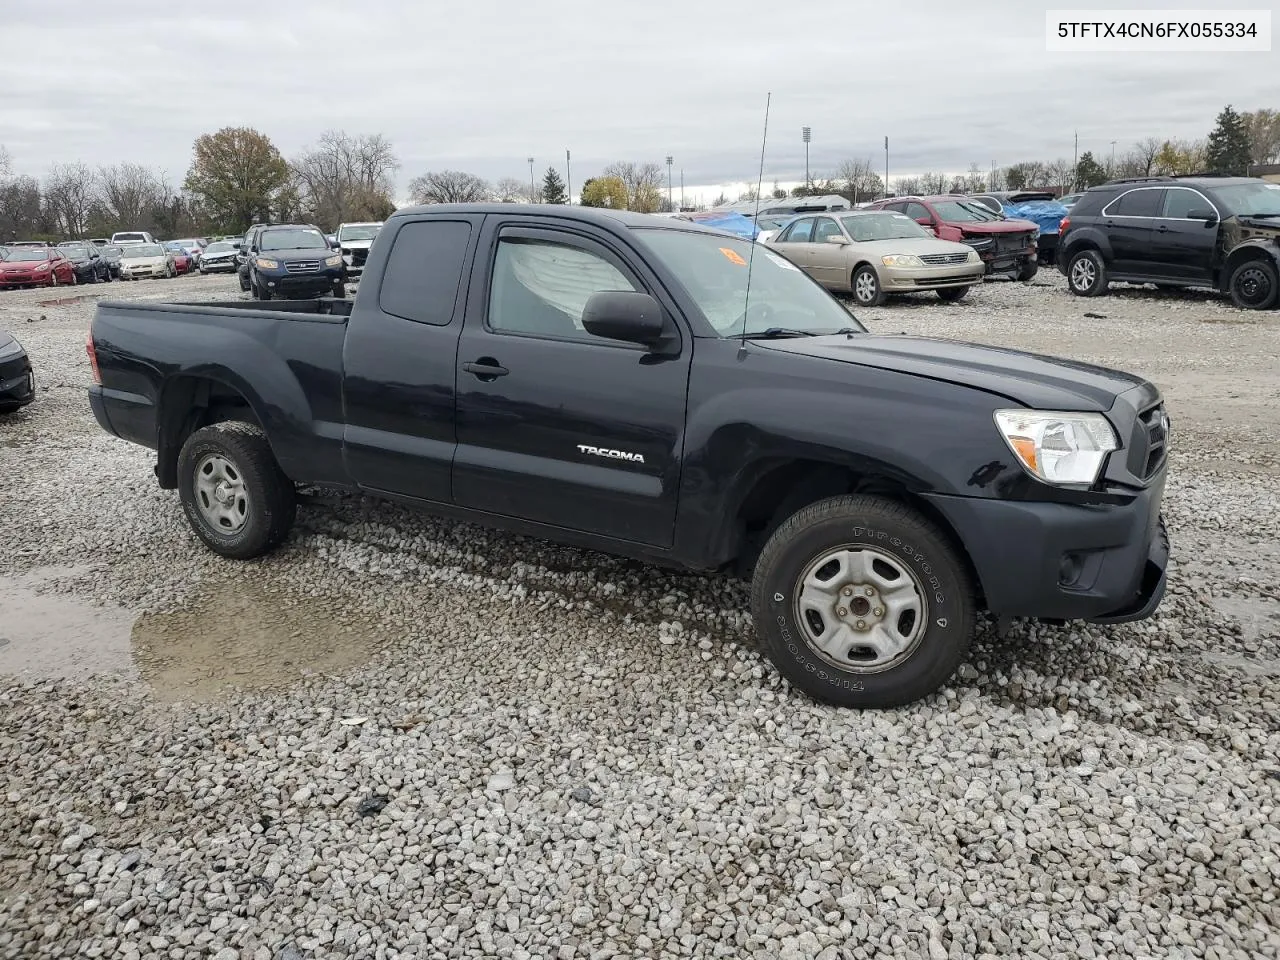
[[751, 257]]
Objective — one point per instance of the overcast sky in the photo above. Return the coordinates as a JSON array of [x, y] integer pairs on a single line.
[[495, 81]]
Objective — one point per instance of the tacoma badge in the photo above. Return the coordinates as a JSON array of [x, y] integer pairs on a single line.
[[611, 454]]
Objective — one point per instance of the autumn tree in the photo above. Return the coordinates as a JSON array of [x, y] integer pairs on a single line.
[[1229, 147], [344, 178], [236, 175], [553, 187], [1263, 127], [642, 181], [1089, 173], [605, 191], [449, 186]]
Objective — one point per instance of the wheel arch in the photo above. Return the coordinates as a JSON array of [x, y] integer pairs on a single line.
[[188, 402]]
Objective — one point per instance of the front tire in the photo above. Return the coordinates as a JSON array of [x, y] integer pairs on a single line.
[[1254, 285], [1028, 270], [340, 291], [866, 288], [952, 294], [234, 494], [862, 602], [1087, 274]]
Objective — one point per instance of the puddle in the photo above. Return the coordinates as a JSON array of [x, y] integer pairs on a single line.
[[239, 635], [45, 635], [1258, 616], [63, 301]]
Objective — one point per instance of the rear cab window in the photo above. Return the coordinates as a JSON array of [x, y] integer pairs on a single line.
[[424, 271]]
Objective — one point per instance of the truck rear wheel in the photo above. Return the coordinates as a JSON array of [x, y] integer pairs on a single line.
[[862, 602], [235, 496]]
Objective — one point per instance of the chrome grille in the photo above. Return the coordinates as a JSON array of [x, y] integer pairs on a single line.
[[943, 258], [302, 266]]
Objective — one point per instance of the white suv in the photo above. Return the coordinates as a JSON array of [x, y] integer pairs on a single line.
[[354, 240]]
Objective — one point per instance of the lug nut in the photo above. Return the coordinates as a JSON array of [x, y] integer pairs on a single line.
[[879, 611], [870, 592], [862, 624], [842, 611], [847, 591]]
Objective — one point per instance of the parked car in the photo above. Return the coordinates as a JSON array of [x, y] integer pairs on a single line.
[[3, 251], [141, 260], [111, 253], [291, 259], [17, 380], [875, 253], [1070, 199], [181, 259], [1221, 233], [1006, 246], [353, 242], [218, 257], [132, 236], [100, 241], [602, 378], [87, 261], [1040, 207], [32, 266], [194, 248], [770, 225]]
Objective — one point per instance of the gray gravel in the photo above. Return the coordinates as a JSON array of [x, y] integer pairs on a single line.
[[399, 737]]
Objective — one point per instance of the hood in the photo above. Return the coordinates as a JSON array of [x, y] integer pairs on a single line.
[[7, 339], [355, 244], [219, 254], [995, 226], [1264, 224], [1045, 383], [919, 246], [22, 264], [141, 261]]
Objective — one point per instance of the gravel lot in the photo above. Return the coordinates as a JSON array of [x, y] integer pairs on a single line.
[[400, 737]]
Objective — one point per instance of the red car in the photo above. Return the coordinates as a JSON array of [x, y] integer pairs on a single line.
[[1006, 246], [181, 259], [35, 267]]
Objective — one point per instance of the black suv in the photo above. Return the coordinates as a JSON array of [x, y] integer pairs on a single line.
[[291, 260], [1199, 231]]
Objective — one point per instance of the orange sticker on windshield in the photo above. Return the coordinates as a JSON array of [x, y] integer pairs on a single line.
[[732, 256]]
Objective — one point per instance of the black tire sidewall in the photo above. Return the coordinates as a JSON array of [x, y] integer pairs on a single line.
[[1270, 268], [940, 650], [952, 294], [1100, 273], [262, 482], [853, 286]]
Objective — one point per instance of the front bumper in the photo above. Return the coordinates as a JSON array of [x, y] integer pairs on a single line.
[[143, 273], [302, 285], [24, 279], [1062, 561], [216, 266], [907, 279], [17, 382]]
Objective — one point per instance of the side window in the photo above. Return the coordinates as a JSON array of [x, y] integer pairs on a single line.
[[1178, 202], [826, 227], [1137, 203], [917, 211], [424, 271], [540, 288], [801, 231]]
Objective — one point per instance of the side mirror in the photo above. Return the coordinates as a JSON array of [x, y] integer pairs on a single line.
[[624, 315], [1202, 213], [839, 240], [924, 221]]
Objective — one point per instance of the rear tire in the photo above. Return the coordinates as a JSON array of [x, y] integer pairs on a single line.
[[865, 284], [1028, 271], [234, 494], [1087, 274], [1254, 285], [892, 567], [952, 294]]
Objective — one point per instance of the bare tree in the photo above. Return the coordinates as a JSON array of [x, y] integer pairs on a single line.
[[21, 213], [1061, 174], [347, 178], [908, 186], [449, 186], [513, 190], [6, 164], [69, 195], [131, 193], [975, 181], [858, 179], [644, 182], [1145, 152]]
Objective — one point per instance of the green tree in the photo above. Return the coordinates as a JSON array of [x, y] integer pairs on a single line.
[[1089, 172], [235, 175], [553, 187], [608, 192], [1229, 144]]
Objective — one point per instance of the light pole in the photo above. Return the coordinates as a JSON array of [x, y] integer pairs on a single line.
[[533, 187], [670, 205], [682, 188], [806, 135], [568, 178], [1113, 158], [886, 166]]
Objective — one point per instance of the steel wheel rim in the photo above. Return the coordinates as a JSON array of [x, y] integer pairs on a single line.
[[1083, 273], [1253, 285], [220, 494], [864, 287], [860, 609]]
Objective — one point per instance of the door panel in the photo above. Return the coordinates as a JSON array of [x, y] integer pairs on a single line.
[[1183, 249], [827, 260], [1130, 220], [556, 425], [400, 357]]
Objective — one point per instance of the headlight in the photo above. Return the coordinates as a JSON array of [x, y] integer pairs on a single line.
[[1065, 448], [1035, 235], [973, 257], [262, 263], [334, 261], [11, 350], [43, 266], [901, 260]]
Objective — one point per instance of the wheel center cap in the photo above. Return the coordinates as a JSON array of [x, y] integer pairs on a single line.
[[223, 493]]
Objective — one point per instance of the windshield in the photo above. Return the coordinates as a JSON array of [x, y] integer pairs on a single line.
[[73, 249], [139, 250], [866, 227], [963, 211], [1242, 199], [771, 223], [28, 253], [219, 247], [359, 233], [714, 271], [293, 240], [128, 236], [110, 251], [176, 246]]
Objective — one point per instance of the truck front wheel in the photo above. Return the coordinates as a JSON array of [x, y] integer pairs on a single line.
[[233, 492], [863, 602]]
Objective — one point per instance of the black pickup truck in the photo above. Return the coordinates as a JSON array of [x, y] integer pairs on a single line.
[[656, 389]]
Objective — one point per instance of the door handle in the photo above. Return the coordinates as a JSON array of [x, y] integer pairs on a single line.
[[1162, 228], [486, 368]]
